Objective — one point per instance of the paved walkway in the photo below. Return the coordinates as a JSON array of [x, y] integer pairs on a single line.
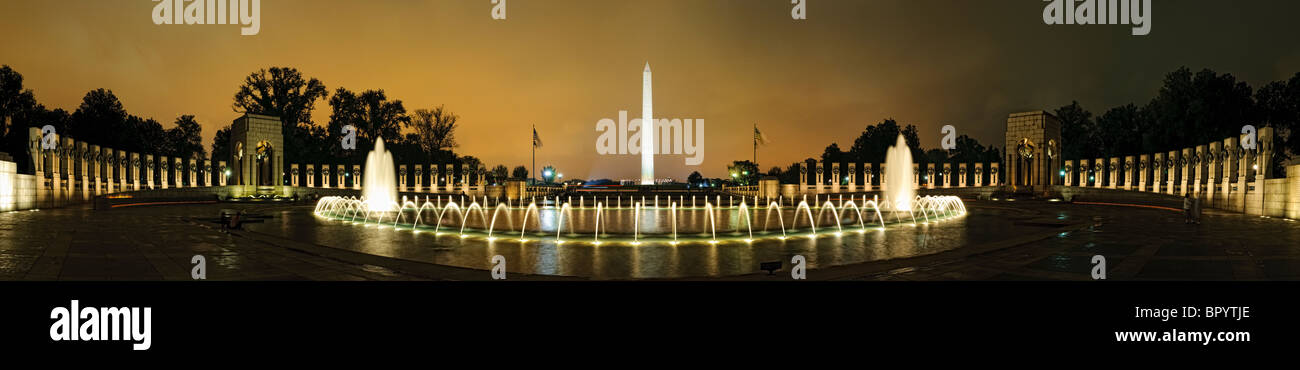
[[157, 243]]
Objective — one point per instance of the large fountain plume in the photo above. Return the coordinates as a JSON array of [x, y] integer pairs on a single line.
[[379, 186], [898, 175]]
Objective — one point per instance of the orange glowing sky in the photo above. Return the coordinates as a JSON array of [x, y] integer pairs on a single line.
[[563, 65]]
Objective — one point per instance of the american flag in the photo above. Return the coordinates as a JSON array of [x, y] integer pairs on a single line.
[[759, 138], [537, 141]]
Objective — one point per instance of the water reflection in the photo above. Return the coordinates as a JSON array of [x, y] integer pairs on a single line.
[[653, 260]]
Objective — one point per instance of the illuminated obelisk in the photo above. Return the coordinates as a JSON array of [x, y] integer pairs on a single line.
[[647, 130]]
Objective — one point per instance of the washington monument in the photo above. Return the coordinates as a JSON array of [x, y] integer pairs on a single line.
[[647, 130]]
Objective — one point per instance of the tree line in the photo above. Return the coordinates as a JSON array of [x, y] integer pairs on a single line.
[[421, 136], [100, 119], [1190, 109]]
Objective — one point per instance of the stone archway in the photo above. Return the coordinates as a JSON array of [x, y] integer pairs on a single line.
[[259, 165]]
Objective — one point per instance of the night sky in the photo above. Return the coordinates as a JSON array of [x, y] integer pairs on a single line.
[[563, 65]]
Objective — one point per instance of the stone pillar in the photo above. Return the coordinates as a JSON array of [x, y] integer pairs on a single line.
[[178, 172], [1212, 165], [853, 178], [69, 167], [947, 175], [293, 175], [1143, 165], [108, 161], [820, 171], [1198, 162], [1229, 163], [1112, 173], [1184, 164], [961, 175], [325, 176], [194, 172], [37, 154], [311, 175], [133, 172], [123, 163], [223, 173], [1243, 179], [419, 177], [1157, 171], [148, 171], [83, 157], [356, 177], [341, 173], [835, 178], [164, 171], [995, 176], [1171, 172], [867, 177], [94, 166], [1069, 173], [930, 176], [1266, 149], [401, 178], [979, 174]]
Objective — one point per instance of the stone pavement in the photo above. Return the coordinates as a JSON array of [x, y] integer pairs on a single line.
[[1138, 244], [154, 243], [157, 243]]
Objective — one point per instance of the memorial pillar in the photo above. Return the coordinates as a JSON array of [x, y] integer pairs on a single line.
[[401, 178], [223, 173], [979, 174], [820, 171], [866, 177], [1212, 159], [947, 175], [994, 174], [930, 176], [356, 177], [325, 176], [123, 163], [1157, 171], [1199, 161], [37, 153], [293, 175], [164, 170], [419, 177], [835, 176], [342, 173]]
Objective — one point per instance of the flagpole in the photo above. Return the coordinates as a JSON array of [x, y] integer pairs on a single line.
[[532, 141], [755, 145]]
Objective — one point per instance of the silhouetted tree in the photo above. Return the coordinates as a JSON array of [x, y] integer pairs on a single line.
[[371, 113]]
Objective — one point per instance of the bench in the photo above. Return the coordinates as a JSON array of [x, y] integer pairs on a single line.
[[770, 267]]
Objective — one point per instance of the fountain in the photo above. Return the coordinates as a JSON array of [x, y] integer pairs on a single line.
[[379, 186], [644, 221], [898, 180]]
